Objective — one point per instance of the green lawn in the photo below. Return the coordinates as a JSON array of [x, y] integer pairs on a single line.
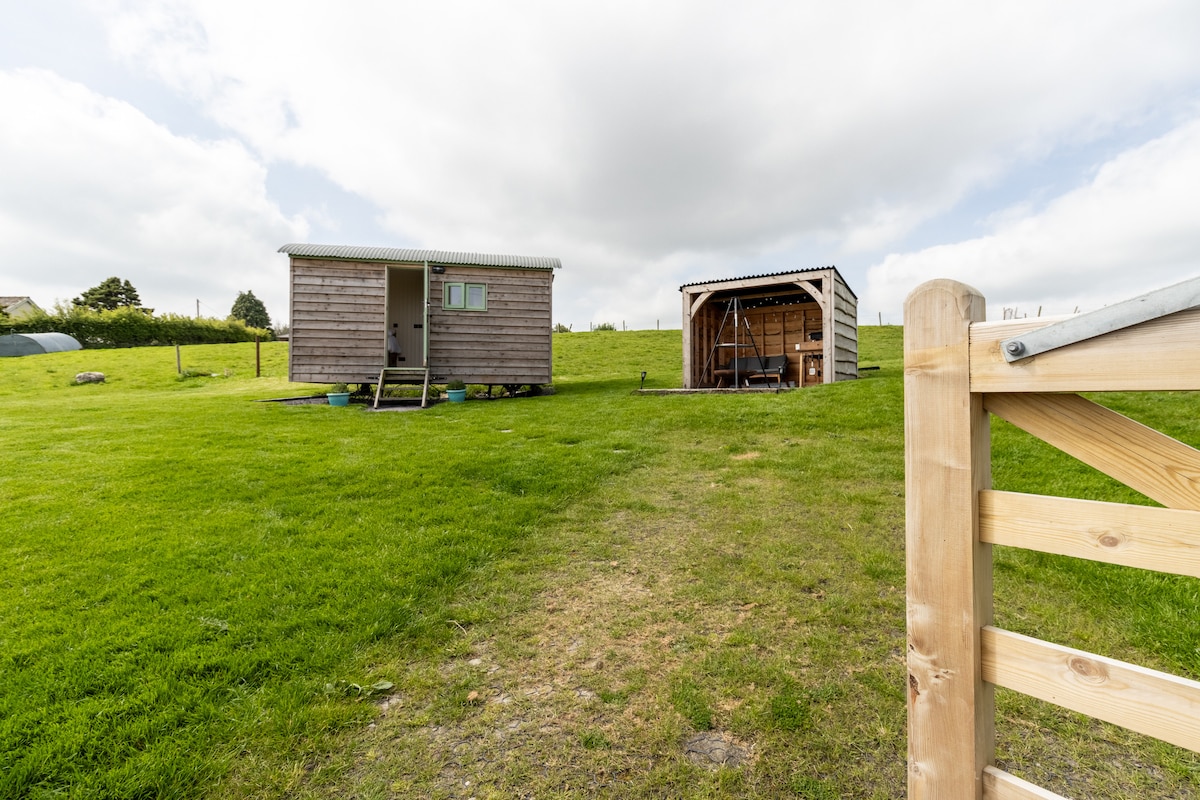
[[203, 595]]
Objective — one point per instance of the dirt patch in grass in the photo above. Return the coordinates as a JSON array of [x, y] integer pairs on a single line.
[[584, 693], [711, 749], [564, 700]]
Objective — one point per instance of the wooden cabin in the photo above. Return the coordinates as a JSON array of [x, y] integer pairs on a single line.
[[811, 317], [388, 315]]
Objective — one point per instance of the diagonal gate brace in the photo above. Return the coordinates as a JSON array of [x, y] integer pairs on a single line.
[[1125, 314]]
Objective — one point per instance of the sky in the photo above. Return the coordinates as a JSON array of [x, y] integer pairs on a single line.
[[1044, 153]]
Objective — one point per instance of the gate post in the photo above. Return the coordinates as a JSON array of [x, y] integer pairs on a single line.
[[951, 716]]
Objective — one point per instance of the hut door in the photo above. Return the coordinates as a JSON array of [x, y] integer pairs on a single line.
[[406, 313]]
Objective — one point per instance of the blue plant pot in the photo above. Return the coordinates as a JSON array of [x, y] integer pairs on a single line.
[[338, 398], [457, 395]]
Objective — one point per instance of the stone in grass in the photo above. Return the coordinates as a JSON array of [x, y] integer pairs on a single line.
[[90, 377], [713, 749]]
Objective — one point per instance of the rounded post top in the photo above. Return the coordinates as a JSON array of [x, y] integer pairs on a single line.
[[943, 285], [944, 293]]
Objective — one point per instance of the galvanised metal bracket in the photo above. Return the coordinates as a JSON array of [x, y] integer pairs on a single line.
[[1151, 305]]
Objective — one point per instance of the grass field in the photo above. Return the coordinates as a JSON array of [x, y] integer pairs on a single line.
[[206, 596]]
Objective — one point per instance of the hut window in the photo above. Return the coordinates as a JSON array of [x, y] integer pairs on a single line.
[[466, 296]]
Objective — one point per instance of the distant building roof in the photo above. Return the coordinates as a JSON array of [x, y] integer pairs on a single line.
[[350, 253], [18, 306]]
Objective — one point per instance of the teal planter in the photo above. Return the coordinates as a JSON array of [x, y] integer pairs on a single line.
[[339, 398], [457, 395]]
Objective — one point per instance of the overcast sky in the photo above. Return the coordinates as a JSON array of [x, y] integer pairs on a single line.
[[1048, 153]]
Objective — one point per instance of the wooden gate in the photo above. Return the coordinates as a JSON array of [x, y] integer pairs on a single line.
[[957, 374]]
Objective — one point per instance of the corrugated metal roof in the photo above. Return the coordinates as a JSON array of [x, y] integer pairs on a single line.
[[771, 275], [756, 277], [351, 253], [25, 344]]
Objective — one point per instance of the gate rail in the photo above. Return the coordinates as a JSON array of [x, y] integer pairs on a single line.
[[959, 372]]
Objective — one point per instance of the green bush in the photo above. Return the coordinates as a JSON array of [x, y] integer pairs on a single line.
[[131, 327]]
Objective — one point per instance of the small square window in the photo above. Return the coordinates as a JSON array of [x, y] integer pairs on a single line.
[[465, 296], [477, 297]]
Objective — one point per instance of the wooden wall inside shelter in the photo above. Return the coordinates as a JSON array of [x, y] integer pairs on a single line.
[[703, 329], [773, 330]]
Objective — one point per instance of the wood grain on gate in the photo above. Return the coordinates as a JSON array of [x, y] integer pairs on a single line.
[[955, 378]]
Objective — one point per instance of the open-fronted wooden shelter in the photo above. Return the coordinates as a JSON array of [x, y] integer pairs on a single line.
[[390, 315], [797, 328]]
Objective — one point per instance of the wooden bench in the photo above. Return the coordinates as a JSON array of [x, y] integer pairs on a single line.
[[753, 368]]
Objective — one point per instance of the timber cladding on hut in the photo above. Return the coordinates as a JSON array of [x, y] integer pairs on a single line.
[[375, 314], [798, 328]]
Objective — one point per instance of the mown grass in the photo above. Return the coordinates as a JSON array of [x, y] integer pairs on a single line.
[[185, 570], [204, 595]]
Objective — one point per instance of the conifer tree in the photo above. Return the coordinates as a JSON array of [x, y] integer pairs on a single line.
[[112, 293], [250, 310]]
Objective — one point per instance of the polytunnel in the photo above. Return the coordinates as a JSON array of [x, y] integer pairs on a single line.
[[30, 344]]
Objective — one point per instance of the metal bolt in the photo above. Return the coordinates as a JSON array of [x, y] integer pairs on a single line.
[[1014, 348]]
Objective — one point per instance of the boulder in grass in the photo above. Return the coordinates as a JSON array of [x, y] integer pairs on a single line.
[[90, 377]]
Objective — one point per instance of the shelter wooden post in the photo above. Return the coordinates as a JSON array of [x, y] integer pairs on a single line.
[[687, 341], [947, 453]]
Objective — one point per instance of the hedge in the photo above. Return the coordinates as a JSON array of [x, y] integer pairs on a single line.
[[131, 327]]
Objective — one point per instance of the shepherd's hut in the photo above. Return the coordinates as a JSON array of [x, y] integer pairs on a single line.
[[787, 328], [375, 315]]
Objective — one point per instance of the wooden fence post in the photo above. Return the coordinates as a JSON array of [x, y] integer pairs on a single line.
[[951, 717]]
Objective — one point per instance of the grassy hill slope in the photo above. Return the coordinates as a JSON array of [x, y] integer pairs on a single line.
[[553, 596]]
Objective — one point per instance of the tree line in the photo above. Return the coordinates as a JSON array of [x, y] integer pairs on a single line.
[[111, 314]]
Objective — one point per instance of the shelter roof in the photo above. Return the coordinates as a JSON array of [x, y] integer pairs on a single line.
[[410, 256], [770, 278]]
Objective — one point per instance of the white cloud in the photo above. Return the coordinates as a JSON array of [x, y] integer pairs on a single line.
[[649, 144], [1132, 229], [94, 188]]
